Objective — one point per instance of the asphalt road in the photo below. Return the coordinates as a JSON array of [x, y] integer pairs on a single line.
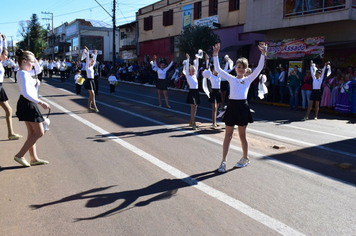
[[138, 169]]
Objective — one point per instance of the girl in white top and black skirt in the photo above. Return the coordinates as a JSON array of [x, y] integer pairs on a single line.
[[161, 83], [238, 111], [89, 82], [193, 97], [27, 109], [318, 77], [3, 97], [214, 95]]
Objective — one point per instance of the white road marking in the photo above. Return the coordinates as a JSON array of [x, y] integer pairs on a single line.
[[292, 141], [232, 202]]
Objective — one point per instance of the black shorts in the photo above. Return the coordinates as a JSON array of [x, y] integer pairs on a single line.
[[237, 113], [315, 95], [28, 111], [215, 96], [161, 84], [89, 84], [224, 86], [193, 97], [3, 96]]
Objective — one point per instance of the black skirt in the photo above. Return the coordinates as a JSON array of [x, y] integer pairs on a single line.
[[193, 97], [161, 84], [224, 86], [89, 84], [3, 96], [237, 113], [215, 96], [315, 95], [28, 111]]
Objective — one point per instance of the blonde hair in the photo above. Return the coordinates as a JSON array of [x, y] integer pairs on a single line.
[[243, 61]]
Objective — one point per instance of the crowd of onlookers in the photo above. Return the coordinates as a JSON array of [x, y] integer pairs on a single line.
[[281, 82]]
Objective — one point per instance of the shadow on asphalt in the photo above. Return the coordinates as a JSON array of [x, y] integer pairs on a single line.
[[319, 159], [11, 168], [165, 189]]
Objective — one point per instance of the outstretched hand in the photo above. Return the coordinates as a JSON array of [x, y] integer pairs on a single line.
[[216, 48], [187, 55], [154, 57], [95, 51], [263, 48]]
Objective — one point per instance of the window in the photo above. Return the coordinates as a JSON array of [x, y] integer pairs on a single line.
[[213, 7], [197, 10], [147, 23], [234, 5], [168, 18]]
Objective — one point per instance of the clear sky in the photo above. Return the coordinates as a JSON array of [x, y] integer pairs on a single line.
[[14, 11]]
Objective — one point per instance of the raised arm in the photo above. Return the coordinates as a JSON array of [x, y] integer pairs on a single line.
[[87, 58], [169, 66], [263, 48], [313, 70], [196, 65], [217, 68], [37, 70]]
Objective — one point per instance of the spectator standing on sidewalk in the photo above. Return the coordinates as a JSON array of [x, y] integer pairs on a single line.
[[293, 83], [281, 83], [307, 86]]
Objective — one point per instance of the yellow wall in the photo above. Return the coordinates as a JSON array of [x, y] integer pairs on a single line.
[[226, 18]]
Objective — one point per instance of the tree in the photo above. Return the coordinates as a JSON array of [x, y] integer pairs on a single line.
[[194, 38], [34, 36]]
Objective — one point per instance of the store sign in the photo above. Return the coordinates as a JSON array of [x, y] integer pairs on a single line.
[[208, 21], [187, 15], [310, 48]]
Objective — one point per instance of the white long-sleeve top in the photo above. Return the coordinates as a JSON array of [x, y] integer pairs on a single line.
[[112, 79], [50, 66], [90, 69], [162, 73], [214, 80], [192, 79], [239, 87], [28, 85], [77, 77], [317, 82], [2, 73]]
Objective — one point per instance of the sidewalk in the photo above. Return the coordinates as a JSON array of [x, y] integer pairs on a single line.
[[286, 105]]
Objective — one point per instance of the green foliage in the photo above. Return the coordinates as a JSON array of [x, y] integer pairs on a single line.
[[34, 36], [194, 38]]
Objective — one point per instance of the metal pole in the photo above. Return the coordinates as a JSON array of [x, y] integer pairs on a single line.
[[114, 34], [52, 38]]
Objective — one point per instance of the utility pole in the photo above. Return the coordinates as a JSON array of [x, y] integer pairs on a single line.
[[114, 29], [12, 44], [43, 12], [114, 34]]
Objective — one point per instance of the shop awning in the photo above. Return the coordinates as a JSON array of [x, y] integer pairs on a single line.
[[236, 47]]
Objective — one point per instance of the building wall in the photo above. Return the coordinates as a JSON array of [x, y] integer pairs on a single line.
[[226, 18], [269, 14]]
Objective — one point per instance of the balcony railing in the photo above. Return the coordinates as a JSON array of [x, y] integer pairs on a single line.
[[305, 7], [128, 42]]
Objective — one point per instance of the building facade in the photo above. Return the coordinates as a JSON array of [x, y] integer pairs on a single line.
[[161, 22], [302, 24], [69, 40], [128, 41]]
